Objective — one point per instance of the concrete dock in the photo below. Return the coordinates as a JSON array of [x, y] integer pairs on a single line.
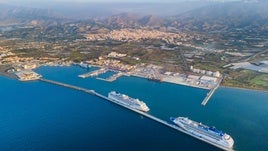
[[68, 86], [93, 73], [112, 78], [211, 92], [92, 92]]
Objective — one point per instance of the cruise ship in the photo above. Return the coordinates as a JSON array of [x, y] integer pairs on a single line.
[[203, 132], [128, 101]]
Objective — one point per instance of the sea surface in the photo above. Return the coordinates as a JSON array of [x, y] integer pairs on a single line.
[[38, 116]]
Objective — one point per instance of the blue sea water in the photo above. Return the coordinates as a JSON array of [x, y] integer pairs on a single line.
[[41, 116]]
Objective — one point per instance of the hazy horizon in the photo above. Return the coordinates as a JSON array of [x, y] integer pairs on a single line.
[[81, 8], [113, 1], [104, 8]]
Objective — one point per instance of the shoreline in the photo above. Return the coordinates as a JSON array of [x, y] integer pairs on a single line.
[[177, 83], [188, 85], [192, 86], [140, 76], [240, 88], [134, 75]]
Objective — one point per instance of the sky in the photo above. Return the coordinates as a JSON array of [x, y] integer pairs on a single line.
[[148, 0], [125, 1]]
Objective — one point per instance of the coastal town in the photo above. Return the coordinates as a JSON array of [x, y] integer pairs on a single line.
[[156, 53], [23, 69], [140, 34], [23, 66]]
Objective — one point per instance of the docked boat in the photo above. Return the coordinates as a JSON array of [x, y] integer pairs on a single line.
[[128, 101], [203, 132]]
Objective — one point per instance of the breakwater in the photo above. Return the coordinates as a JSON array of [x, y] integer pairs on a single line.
[[165, 123]]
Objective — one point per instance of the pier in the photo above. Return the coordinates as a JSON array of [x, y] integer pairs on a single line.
[[211, 92], [165, 123], [93, 73], [68, 86], [112, 78]]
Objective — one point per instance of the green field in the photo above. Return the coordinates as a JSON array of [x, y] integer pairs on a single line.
[[261, 80], [247, 79]]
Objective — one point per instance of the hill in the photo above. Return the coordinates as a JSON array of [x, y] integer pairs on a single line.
[[225, 17]]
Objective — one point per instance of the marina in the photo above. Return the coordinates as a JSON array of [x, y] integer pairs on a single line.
[[111, 78], [92, 92], [93, 73]]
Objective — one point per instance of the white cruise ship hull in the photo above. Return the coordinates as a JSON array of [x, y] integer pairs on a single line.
[[218, 142], [127, 101]]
